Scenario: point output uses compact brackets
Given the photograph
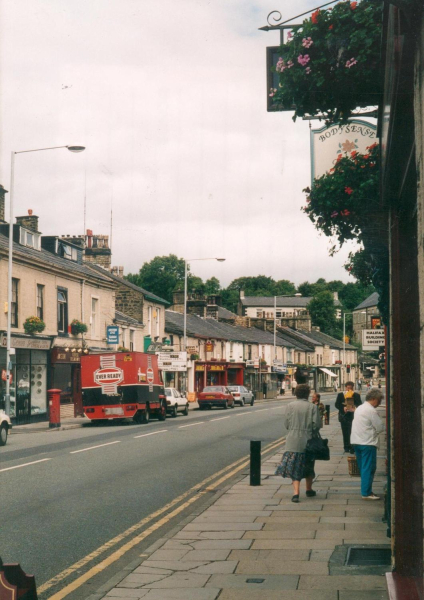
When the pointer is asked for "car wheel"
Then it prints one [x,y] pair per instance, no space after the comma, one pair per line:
[174,411]
[252,401]
[242,402]
[185,411]
[3,435]
[146,415]
[162,413]
[233,405]
[201,407]
[225,405]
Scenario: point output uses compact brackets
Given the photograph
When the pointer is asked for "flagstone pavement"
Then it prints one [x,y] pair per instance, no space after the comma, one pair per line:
[253,543]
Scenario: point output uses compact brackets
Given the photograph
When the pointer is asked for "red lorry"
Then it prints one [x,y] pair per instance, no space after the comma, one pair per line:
[122,385]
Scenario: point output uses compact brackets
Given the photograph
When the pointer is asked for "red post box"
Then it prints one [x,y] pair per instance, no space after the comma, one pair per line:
[54,407]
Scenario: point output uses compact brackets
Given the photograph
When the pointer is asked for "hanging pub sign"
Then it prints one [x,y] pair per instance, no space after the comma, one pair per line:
[209,346]
[331,141]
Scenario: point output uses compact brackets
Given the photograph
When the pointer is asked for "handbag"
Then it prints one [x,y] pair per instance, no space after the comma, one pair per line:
[317,448]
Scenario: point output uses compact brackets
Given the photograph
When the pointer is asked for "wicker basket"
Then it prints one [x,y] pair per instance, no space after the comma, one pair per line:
[353,466]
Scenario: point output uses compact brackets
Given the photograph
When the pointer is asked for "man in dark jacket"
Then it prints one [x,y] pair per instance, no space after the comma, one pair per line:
[346,403]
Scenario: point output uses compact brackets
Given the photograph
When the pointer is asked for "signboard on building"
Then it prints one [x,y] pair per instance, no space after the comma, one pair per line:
[279,367]
[373,339]
[26,343]
[217,368]
[330,142]
[172,361]
[250,363]
[375,322]
[191,349]
[112,334]
[209,346]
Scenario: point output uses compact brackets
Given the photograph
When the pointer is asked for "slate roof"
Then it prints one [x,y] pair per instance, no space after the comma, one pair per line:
[122,281]
[368,302]
[289,301]
[224,313]
[50,259]
[323,338]
[121,318]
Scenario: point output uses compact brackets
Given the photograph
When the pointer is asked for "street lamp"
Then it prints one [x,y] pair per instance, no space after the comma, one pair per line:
[344,338]
[186,261]
[74,149]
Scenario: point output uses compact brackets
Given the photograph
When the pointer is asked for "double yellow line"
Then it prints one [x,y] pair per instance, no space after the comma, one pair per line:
[195,492]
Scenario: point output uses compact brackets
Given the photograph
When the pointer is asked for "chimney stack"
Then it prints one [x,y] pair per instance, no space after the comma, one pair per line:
[3,193]
[29,221]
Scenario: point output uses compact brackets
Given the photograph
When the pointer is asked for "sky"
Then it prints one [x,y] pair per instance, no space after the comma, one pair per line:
[169,99]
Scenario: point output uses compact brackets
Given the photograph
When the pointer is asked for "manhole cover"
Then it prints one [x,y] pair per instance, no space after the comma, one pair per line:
[368,556]
[255,580]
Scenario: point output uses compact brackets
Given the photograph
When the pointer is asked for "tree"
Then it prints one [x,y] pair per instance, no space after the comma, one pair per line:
[323,312]
[212,286]
[284,287]
[160,276]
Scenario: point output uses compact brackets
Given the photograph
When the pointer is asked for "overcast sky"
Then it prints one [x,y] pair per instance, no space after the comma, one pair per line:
[170,100]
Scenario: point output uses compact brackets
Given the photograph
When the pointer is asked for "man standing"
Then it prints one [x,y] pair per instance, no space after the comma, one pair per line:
[366,427]
[346,404]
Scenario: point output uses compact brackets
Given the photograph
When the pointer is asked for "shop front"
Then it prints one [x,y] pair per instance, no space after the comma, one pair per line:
[217,373]
[28,388]
[65,375]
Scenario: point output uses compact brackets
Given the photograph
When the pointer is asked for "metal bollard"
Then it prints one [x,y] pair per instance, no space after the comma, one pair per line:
[255,462]
[327,415]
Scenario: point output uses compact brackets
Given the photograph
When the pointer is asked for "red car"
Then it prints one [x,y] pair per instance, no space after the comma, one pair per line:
[215,395]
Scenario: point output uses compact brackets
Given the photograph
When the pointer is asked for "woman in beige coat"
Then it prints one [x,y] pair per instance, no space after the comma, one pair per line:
[301,419]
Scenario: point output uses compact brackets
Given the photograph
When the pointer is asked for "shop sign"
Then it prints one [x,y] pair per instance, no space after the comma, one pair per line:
[256,363]
[191,396]
[209,346]
[375,322]
[217,368]
[191,349]
[63,355]
[172,361]
[4,375]
[26,343]
[200,367]
[250,363]
[373,339]
[279,367]
[337,362]
[112,334]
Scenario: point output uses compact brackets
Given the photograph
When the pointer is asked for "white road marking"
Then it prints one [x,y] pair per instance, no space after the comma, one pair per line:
[220,419]
[94,447]
[152,433]
[25,464]
[245,414]
[277,408]
[262,410]
[191,425]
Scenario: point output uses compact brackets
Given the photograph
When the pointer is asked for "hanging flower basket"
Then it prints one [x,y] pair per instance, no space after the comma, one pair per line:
[330,64]
[78,327]
[34,325]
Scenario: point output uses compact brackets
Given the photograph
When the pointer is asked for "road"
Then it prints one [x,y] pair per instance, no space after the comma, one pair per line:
[66,494]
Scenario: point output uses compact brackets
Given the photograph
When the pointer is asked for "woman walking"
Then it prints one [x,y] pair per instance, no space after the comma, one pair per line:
[301,419]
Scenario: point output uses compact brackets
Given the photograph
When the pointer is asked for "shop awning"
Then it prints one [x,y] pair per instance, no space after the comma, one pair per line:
[328,372]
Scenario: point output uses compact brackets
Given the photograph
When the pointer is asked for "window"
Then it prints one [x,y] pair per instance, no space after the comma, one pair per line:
[62,311]
[249,352]
[124,337]
[149,320]
[66,251]
[15,303]
[40,301]
[157,321]
[132,343]
[278,313]
[94,316]
[29,238]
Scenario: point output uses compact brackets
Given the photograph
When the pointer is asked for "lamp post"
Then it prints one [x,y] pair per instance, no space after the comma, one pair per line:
[186,261]
[344,340]
[10,262]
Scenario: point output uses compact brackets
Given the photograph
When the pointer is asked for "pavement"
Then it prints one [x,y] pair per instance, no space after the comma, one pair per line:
[253,543]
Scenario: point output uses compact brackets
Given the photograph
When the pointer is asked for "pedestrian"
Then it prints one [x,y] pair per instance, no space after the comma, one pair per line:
[301,419]
[335,387]
[346,404]
[316,399]
[293,387]
[283,387]
[264,388]
[366,428]
[359,384]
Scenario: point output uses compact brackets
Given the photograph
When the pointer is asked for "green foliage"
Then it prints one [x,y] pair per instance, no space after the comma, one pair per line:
[78,327]
[34,325]
[212,286]
[323,312]
[330,66]
[160,276]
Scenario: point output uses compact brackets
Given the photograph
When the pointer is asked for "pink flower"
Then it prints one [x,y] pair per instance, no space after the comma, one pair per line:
[290,64]
[273,92]
[289,35]
[334,214]
[307,42]
[348,190]
[350,63]
[280,66]
[303,60]
[308,70]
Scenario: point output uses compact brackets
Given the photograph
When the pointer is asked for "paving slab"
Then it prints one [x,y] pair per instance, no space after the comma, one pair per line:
[273,524]
[282,535]
[342,582]
[218,566]
[209,535]
[277,555]
[138,580]
[218,518]
[181,580]
[363,595]
[183,594]
[142,569]
[257,594]
[278,567]
[122,593]
[209,554]
[271,582]
[243,545]
[307,507]
[281,544]
[176,565]
[367,519]
[223,527]
[175,554]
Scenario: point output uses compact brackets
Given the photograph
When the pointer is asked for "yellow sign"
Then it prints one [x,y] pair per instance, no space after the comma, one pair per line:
[217,368]
[200,367]
[191,397]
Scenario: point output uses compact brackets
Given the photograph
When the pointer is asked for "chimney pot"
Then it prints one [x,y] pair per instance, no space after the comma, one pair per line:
[30,212]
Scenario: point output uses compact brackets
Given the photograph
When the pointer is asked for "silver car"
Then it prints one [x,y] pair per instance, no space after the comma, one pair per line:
[242,395]
[5,426]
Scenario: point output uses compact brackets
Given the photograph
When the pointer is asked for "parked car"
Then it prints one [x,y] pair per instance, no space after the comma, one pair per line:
[215,395]
[5,426]
[242,395]
[175,402]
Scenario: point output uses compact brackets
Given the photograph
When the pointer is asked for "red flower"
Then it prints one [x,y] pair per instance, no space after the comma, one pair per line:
[353,154]
[345,213]
[366,155]
[348,190]
[334,214]
[314,17]
[353,5]
[372,147]
[331,27]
